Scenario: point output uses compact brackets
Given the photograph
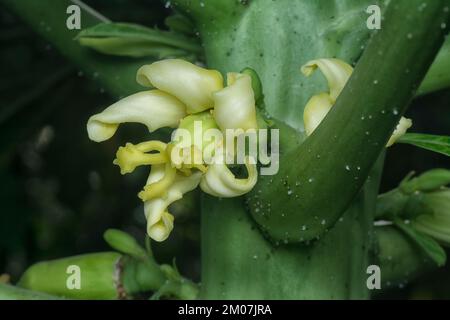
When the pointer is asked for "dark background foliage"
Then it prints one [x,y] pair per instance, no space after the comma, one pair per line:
[59,191]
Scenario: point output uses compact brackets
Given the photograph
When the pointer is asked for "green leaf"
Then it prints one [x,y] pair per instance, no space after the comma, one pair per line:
[115,74]
[126,39]
[439,144]
[426,243]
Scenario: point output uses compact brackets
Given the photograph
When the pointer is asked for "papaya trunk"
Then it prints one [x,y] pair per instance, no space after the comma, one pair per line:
[239,263]
[275,38]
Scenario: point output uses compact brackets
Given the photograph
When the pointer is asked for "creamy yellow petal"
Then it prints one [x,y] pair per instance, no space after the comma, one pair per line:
[400,130]
[159,188]
[220,182]
[154,108]
[315,111]
[336,71]
[191,84]
[159,220]
[234,106]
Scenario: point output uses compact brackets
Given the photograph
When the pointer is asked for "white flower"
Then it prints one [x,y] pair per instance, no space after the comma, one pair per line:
[184,91]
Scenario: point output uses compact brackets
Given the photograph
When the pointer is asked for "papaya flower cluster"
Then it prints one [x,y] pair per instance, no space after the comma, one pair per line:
[337,73]
[182,95]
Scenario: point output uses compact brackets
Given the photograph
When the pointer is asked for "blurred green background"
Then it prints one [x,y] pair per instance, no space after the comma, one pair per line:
[59,191]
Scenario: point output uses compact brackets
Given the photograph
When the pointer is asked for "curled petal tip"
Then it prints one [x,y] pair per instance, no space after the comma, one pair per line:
[400,130]
[159,220]
[153,108]
[99,131]
[161,230]
[220,182]
[337,73]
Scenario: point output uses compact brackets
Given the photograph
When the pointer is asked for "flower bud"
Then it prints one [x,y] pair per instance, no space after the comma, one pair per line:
[98,276]
[437,223]
[428,181]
